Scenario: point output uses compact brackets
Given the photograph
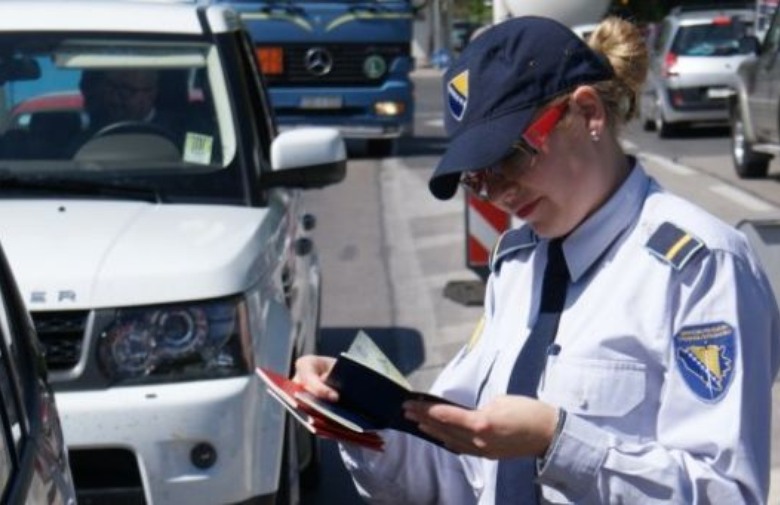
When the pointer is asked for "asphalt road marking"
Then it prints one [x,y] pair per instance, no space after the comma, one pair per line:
[738,196]
[742,198]
[669,165]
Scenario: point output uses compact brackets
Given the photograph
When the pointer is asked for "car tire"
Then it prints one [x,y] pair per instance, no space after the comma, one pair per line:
[747,163]
[664,128]
[310,470]
[288,492]
[380,148]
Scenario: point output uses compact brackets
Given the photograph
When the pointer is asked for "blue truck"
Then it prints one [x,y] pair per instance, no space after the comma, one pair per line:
[343,64]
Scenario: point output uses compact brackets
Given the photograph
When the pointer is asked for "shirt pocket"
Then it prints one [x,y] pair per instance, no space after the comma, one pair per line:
[594,387]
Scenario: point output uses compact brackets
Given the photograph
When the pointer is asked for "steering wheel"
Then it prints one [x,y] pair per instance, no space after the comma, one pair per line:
[142,127]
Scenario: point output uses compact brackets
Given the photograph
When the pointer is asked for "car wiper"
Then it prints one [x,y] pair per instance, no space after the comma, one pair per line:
[71,186]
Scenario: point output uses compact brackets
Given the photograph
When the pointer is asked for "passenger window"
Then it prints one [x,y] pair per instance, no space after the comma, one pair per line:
[261,102]
[663,36]
[772,38]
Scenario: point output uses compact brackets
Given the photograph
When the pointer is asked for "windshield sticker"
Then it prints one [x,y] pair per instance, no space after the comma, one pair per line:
[198,148]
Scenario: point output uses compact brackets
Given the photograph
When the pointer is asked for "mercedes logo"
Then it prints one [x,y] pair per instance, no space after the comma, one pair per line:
[318,61]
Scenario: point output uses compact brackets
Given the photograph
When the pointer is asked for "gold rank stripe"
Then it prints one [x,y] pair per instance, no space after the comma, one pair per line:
[476,335]
[677,246]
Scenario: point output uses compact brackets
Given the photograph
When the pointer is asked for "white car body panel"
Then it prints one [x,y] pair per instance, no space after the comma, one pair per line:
[181,416]
[228,231]
[128,253]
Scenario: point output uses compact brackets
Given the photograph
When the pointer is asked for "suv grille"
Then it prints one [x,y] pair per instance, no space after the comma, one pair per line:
[347,67]
[62,336]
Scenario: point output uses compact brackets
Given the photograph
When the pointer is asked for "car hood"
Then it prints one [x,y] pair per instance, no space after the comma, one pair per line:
[84,254]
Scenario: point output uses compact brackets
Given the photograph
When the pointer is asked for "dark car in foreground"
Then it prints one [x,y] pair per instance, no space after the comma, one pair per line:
[34,466]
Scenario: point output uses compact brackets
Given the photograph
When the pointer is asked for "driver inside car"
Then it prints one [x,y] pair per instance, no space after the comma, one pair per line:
[126,101]
[115,96]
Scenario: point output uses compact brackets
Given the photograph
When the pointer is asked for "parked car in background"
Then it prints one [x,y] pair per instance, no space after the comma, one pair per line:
[693,65]
[164,255]
[754,108]
[33,458]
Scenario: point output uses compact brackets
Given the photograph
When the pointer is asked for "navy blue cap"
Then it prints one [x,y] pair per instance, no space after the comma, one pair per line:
[493,90]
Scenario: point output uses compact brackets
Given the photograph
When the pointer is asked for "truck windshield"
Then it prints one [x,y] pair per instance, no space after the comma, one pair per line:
[80,107]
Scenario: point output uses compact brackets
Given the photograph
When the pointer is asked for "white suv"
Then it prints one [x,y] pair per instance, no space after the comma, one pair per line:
[163,255]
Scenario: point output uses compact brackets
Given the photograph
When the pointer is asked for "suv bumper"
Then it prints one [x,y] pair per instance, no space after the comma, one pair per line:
[158,426]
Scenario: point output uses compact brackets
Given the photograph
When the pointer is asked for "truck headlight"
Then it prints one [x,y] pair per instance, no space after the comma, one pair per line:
[171,343]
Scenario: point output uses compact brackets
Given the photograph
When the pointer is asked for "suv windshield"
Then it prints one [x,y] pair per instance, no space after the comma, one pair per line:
[712,39]
[110,112]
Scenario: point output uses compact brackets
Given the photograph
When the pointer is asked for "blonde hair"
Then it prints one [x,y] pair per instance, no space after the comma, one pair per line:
[624,46]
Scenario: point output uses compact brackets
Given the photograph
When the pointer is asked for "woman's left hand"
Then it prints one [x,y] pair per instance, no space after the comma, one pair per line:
[507,427]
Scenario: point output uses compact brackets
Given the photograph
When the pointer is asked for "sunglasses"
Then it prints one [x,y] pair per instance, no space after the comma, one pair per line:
[531,143]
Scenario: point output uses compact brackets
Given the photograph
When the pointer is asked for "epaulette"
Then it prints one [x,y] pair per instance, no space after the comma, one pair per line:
[511,241]
[674,245]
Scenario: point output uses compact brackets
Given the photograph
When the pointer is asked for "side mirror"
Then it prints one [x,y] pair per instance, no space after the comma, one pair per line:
[749,44]
[308,157]
[19,69]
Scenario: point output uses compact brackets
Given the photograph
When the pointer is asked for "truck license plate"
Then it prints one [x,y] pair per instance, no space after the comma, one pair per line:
[321,102]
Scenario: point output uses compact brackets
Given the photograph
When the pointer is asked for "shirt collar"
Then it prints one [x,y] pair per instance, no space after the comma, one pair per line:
[587,242]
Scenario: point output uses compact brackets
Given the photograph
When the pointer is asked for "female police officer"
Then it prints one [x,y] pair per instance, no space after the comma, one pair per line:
[629,340]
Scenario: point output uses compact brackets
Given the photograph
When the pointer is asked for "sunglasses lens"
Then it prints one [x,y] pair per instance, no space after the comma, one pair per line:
[535,136]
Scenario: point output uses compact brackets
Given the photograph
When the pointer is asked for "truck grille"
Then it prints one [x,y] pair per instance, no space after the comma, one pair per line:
[346,69]
[62,335]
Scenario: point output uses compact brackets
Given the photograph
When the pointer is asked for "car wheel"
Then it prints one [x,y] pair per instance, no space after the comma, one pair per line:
[664,128]
[288,492]
[748,163]
[647,121]
[380,148]
[648,124]
[310,465]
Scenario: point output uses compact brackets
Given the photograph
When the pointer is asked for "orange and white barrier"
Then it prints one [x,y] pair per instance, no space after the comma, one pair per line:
[484,225]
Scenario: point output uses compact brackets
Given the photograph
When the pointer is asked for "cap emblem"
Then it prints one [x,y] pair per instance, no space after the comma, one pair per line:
[458,94]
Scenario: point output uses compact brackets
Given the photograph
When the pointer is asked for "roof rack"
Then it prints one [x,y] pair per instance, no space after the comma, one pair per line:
[712,6]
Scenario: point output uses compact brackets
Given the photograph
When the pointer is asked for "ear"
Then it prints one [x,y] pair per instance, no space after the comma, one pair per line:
[589,104]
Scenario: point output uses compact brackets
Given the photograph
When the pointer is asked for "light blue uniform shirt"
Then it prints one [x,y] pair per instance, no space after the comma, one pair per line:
[664,360]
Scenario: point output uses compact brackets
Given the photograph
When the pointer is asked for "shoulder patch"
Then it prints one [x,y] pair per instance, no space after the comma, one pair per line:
[674,245]
[705,356]
[510,241]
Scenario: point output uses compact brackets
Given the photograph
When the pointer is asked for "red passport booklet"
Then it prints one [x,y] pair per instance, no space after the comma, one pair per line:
[371,394]
[322,418]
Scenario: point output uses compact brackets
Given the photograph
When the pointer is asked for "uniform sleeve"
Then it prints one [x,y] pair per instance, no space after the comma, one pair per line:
[412,471]
[711,446]
[409,471]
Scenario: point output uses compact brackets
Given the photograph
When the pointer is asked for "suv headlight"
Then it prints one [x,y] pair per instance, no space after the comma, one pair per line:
[172,343]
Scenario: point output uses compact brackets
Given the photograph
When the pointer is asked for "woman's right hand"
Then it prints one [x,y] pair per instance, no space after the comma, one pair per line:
[311,371]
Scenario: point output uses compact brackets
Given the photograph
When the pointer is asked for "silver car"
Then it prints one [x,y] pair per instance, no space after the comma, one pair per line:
[693,65]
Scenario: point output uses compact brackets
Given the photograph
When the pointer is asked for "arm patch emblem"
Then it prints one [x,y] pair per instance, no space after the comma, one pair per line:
[705,356]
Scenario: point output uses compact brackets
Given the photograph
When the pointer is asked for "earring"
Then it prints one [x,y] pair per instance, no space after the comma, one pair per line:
[594,136]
